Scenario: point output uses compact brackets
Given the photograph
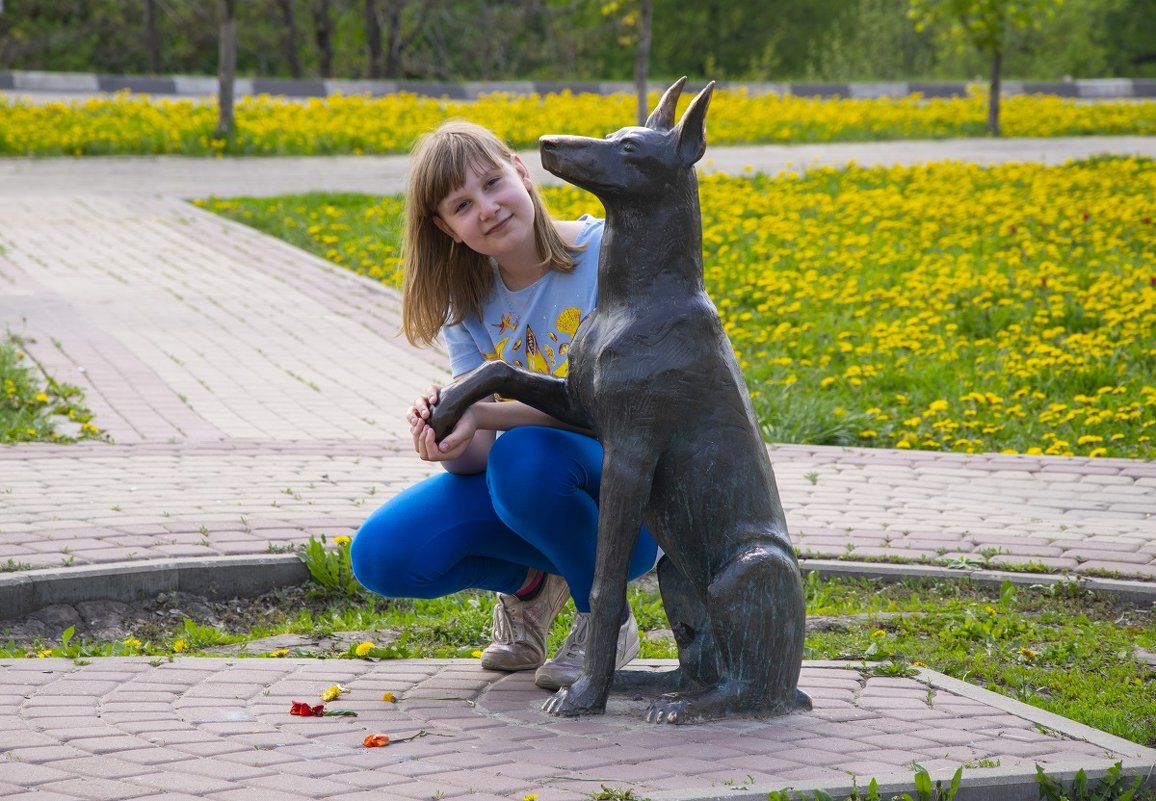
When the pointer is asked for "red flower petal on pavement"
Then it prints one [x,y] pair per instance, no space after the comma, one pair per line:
[375,740]
[306,711]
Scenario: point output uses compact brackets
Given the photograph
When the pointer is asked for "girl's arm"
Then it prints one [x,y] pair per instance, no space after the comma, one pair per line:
[466,449]
[511,414]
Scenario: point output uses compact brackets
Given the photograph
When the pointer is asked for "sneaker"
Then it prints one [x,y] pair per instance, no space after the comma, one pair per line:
[520,627]
[564,668]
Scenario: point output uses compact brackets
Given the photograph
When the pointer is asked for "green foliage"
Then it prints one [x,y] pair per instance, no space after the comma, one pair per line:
[925,791]
[198,636]
[574,40]
[984,24]
[331,567]
[1112,787]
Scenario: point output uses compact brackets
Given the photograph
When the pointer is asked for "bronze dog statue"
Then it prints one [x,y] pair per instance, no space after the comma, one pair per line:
[654,375]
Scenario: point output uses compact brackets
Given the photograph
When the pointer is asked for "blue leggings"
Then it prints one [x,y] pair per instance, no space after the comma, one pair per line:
[536,505]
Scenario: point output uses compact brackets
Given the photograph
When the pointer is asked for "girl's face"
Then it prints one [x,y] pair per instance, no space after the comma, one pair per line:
[491,212]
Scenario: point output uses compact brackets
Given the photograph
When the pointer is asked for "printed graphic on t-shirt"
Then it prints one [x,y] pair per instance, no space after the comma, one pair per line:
[529,351]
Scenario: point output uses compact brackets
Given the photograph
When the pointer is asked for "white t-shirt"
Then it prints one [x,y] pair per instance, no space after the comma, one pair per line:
[533,327]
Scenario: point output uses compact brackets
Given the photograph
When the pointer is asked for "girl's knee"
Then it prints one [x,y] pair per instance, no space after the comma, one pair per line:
[532,469]
[382,556]
[369,553]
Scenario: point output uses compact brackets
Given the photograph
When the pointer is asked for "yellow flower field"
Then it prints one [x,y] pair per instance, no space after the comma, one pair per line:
[128,124]
[940,307]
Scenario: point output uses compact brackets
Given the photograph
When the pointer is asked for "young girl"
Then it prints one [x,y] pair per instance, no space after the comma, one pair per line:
[489,269]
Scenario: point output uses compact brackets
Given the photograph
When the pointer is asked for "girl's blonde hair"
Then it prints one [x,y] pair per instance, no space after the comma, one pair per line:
[444,282]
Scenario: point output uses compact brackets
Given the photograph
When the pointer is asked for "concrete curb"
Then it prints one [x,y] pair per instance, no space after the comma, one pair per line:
[1128,590]
[22,593]
[981,784]
[219,577]
[201,85]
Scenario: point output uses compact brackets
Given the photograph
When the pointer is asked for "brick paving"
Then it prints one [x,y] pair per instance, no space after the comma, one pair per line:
[218,729]
[252,394]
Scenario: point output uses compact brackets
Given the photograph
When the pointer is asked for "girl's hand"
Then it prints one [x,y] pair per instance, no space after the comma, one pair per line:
[421,409]
[453,445]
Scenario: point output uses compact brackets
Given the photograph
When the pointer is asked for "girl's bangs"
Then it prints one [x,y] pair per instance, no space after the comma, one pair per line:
[451,156]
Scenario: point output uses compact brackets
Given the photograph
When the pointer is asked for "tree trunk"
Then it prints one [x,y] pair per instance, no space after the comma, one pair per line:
[393,50]
[993,101]
[226,69]
[373,38]
[323,33]
[152,36]
[290,39]
[642,60]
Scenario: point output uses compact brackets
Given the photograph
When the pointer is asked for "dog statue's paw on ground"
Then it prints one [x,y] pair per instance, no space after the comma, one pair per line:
[580,698]
[721,702]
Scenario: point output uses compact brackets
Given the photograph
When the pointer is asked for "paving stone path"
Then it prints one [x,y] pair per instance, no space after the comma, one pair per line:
[215,729]
[252,395]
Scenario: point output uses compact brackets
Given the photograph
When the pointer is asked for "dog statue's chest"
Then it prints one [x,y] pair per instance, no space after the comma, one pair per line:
[642,349]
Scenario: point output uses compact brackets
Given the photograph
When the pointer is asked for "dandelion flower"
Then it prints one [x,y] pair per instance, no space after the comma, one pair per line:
[363,649]
[333,693]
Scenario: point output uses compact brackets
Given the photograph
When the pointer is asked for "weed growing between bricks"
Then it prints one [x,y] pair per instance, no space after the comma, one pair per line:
[1114,786]
[1062,648]
[34,407]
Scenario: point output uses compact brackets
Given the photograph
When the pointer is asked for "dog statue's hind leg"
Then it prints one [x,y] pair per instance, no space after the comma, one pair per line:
[757,609]
[699,659]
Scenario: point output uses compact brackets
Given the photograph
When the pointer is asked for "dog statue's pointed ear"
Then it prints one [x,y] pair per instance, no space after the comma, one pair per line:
[692,127]
[662,118]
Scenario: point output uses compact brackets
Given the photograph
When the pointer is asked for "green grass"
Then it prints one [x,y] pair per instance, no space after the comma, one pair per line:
[1061,648]
[33,407]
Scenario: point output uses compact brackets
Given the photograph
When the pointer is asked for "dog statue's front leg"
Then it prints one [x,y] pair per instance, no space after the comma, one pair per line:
[545,393]
[627,470]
